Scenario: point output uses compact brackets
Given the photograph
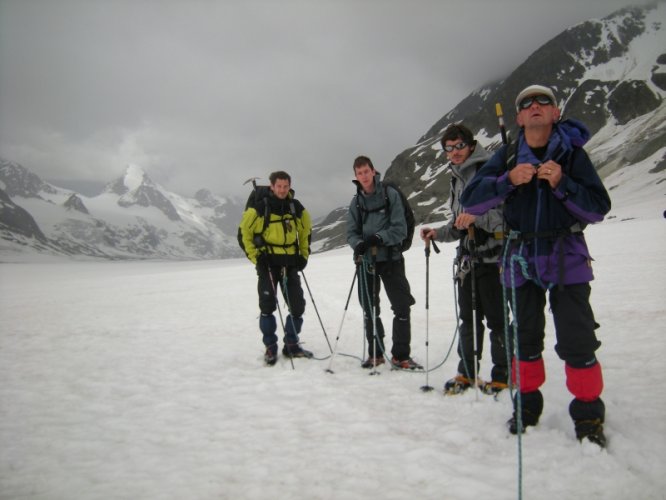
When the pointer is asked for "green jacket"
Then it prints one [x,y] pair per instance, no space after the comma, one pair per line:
[372,217]
[286,234]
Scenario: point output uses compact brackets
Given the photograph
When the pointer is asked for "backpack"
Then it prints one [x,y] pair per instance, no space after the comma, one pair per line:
[408,212]
[258,200]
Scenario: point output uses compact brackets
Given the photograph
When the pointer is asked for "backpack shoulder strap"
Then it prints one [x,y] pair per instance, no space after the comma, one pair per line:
[267,213]
[511,154]
[359,213]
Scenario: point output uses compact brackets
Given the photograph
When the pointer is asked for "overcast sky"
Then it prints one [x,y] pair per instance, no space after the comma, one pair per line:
[204,93]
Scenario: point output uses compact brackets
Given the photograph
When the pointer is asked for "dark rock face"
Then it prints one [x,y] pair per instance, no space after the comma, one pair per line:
[75,203]
[14,219]
[21,182]
[147,196]
[630,100]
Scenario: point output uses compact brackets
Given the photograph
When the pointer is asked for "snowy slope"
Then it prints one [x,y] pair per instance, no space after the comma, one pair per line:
[126,380]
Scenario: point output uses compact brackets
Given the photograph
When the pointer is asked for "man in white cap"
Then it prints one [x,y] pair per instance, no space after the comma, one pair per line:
[550,191]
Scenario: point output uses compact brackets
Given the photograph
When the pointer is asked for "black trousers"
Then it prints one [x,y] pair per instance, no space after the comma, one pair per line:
[576,344]
[573,317]
[392,275]
[488,300]
[288,280]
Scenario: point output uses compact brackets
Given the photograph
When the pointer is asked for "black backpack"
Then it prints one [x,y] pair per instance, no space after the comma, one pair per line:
[408,212]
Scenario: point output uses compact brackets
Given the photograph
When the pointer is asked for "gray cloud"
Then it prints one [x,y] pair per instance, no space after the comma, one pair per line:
[207,93]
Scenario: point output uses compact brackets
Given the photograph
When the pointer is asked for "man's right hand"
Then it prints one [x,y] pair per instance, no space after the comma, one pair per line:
[521,174]
[360,249]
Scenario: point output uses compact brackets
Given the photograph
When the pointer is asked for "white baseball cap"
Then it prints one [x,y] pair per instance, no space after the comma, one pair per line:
[534,90]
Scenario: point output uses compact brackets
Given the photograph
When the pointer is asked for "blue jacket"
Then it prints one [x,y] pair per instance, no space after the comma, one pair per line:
[547,222]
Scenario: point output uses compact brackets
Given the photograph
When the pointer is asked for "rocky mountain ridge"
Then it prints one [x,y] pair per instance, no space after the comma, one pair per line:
[608,73]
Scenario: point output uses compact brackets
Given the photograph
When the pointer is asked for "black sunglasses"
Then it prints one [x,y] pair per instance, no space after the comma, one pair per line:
[459,146]
[543,100]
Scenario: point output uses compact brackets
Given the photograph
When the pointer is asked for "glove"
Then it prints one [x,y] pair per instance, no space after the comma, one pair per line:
[373,241]
[302,262]
[360,249]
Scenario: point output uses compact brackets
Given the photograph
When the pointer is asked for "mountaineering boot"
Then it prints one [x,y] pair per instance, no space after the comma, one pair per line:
[493,387]
[528,419]
[531,408]
[592,430]
[406,364]
[372,362]
[296,351]
[270,356]
[588,417]
[457,384]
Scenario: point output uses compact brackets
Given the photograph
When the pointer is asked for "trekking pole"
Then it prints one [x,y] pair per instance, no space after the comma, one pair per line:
[337,339]
[314,304]
[472,250]
[427,387]
[277,303]
[375,298]
[292,209]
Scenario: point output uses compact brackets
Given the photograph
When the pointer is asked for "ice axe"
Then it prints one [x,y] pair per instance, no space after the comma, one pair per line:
[253,180]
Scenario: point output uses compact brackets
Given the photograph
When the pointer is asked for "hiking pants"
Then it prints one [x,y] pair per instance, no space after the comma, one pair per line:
[392,275]
[288,280]
[489,305]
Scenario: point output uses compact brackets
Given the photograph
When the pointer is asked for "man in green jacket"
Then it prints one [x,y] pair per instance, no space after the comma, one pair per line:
[276,238]
[376,227]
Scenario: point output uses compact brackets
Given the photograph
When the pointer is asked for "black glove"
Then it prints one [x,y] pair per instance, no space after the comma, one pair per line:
[360,249]
[262,261]
[373,241]
[302,262]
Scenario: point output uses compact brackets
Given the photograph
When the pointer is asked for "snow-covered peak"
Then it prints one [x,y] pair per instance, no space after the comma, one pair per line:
[638,57]
[135,177]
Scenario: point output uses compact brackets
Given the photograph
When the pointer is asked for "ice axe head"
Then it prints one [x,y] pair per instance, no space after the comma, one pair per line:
[253,180]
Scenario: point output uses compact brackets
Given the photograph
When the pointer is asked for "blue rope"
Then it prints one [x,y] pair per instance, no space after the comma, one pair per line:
[372,307]
[517,257]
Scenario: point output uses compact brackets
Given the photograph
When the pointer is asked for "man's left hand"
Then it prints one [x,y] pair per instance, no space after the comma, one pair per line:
[551,172]
[373,240]
[302,262]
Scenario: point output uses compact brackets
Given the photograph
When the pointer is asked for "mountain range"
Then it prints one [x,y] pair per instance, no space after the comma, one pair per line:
[609,73]
[132,218]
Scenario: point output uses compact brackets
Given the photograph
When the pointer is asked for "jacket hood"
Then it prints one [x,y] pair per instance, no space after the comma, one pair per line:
[479,155]
[574,132]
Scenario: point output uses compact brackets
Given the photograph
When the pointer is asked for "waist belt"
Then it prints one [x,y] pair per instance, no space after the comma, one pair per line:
[553,234]
[549,234]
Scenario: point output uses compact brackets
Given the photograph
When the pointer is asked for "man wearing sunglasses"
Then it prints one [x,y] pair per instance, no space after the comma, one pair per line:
[482,252]
[551,191]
